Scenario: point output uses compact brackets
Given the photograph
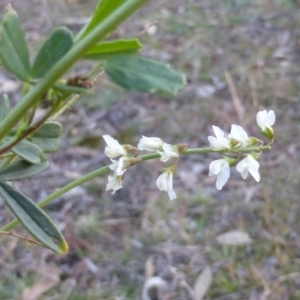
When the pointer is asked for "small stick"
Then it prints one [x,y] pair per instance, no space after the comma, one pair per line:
[14,234]
[236,100]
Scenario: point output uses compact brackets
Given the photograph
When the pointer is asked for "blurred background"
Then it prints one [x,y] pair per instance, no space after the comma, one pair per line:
[239,57]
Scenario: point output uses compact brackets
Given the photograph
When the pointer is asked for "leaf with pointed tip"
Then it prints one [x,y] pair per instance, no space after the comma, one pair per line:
[55,47]
[103,9]
[5,107]
[13,47]
[30,152]
[34,219]
[110,49]
[22,169]
[145,75]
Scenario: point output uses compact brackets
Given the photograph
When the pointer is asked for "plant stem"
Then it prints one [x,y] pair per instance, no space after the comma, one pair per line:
[105,169]
[62,191]
[58,70]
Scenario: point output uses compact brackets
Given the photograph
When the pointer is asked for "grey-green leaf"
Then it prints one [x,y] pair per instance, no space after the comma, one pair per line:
[145,75]
[49,130]
[30,152]
[21,170]
[48,145]
[48,137]
[34,219]
[13,47]
[54,48]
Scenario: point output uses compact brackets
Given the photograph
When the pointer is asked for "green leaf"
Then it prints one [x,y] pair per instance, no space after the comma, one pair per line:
[48,145]
[21,170]
[13,47]
[72,89]
[49,130]
[48,137]
[29,152]
[54,48]
[34,219]
[110,49]
[102,11]
[145,75]
[5,107]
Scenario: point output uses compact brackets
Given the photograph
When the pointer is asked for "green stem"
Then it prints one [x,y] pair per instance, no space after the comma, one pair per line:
[75,53]
[105,169]
[62,191]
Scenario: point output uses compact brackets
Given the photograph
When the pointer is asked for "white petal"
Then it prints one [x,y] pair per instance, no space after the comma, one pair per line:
[161,181]
[242,167]
[219,142]
[114,164]
[221,168]
[260,119]
[271,118]
[219,133]
[113,148]
[114,183]
[223,176]
[168,152]
[238,133]
[248,164]
[215,167]
[164,182]
[253,168]
[150,144]
[121,166]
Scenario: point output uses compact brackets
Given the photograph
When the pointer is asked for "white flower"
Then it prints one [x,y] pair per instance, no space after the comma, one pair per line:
[167,152]
[265,119]
[150,143]
[249,164]
[238,133]
[220,142]
[119,166]
[164,182]
[114,183]
[221,168]
[113,148]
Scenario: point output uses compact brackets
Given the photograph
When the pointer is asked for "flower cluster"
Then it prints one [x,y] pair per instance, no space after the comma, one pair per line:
[153,144]
[238,138]
[235,142]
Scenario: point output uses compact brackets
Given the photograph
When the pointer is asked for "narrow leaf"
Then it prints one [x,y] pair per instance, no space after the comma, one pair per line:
[34,219]
[145,75]
[72,89]
[13,47]
[110,49]
[57,45]
[103,9]
[5,107]
[21,170]
[29,152]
